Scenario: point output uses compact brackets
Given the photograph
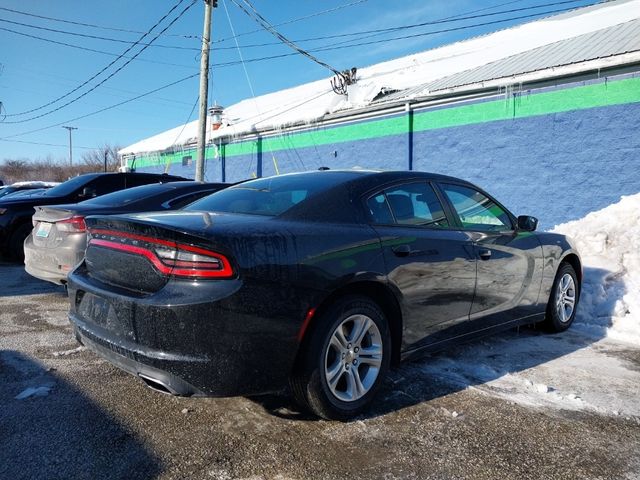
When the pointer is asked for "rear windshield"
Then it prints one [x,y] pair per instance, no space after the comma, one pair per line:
[269,196]
[70,186]
[130,195]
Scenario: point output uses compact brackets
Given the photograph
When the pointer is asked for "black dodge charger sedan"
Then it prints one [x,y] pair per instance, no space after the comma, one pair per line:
[317,280]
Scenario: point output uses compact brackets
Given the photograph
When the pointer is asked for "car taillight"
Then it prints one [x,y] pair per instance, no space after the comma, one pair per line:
[74,224]
[170,258]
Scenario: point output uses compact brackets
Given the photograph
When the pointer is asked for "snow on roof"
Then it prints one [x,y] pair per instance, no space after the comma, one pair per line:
[34,183]
[311,101]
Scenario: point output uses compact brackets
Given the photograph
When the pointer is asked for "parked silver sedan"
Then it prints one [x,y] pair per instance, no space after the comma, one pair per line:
[59,238]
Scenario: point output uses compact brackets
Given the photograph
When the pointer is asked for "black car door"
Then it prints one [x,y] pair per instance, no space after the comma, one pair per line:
[509,261]
[430,264]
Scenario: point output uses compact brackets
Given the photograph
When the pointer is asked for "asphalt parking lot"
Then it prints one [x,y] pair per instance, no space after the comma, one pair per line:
[65,413]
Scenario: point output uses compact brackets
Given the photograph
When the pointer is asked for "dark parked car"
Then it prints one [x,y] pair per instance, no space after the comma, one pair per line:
[15,214]
[321,280]
[59,238]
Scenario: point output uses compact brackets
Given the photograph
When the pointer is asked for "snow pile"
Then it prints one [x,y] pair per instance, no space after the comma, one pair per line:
[609,243]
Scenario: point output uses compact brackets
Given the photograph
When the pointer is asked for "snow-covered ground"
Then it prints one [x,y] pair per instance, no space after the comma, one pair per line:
[591,367]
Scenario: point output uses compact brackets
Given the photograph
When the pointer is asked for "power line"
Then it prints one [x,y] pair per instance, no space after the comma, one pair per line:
[255,15]
[225,65]
[447,30]
[188,119]
[406,27]
[117,92]
[115,72]
[117,29]
[92,50]
[246,73]
[46,144]
[71,22]
[294,20]
[95,37]
[110,107]
[133,45]
[331,47]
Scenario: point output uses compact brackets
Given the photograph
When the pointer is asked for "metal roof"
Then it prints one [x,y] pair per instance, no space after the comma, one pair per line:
[608,42]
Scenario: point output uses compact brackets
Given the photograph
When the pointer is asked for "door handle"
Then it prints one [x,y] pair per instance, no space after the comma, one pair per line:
[402,250]
[484,253]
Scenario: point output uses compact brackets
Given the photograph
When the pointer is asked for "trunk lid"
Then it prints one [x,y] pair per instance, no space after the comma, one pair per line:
[142,252]
[47,230]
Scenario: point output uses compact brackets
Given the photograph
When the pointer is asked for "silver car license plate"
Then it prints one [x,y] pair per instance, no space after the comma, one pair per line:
[43,229]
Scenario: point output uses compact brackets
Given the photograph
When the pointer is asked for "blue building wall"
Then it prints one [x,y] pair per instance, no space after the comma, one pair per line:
[557,166]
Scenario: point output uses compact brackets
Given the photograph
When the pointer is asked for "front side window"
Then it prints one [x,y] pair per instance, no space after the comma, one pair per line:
[475,210]
[410,204]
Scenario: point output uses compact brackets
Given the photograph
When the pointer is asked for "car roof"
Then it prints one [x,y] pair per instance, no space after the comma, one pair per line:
[389,175]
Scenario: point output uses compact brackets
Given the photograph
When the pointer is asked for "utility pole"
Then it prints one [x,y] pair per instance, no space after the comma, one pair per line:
[70,149]
[209,5]
[105,160]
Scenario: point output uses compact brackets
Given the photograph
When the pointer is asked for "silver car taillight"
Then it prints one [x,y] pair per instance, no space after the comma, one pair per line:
[74,224]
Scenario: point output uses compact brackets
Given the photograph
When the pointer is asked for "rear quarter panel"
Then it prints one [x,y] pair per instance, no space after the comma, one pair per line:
[289,267]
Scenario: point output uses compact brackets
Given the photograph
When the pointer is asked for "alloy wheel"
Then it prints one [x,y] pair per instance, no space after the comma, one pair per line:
[566,298]
[353,358]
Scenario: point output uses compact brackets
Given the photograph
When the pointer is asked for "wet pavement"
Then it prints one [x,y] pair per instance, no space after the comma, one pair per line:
[83,418]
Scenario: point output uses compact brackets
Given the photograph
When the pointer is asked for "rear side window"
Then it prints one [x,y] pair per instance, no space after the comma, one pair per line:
[410,204]
[107,184]
[70,186]
[129,195]
[138,179]
[185,200]
[475,210]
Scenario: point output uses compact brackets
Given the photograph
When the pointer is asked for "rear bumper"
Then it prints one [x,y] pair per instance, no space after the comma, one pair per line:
[151,366]
[51,264]
[186,339]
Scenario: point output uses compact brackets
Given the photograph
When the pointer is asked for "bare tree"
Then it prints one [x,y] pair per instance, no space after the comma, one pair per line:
[95,158]
[46,170]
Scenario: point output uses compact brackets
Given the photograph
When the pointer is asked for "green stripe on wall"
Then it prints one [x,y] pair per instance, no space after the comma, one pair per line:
[521,106]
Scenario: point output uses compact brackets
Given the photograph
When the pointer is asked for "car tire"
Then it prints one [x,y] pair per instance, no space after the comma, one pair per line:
[563,301]
[16,241]
[344,359]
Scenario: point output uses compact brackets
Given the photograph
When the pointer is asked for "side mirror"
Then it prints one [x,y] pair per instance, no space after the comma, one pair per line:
[527,223]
